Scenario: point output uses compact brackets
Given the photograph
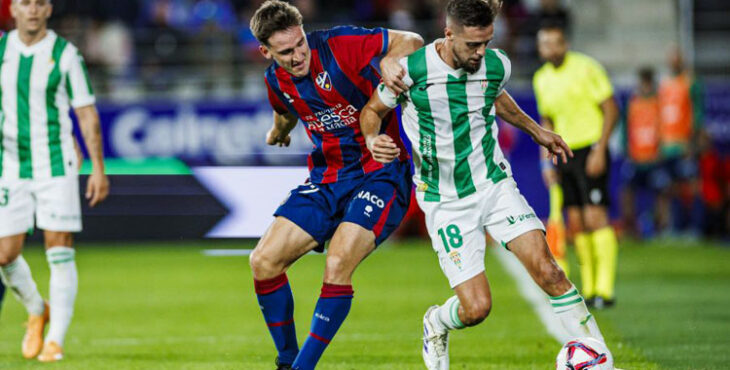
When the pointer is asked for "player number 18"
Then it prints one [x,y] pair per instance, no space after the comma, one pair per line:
[451,237]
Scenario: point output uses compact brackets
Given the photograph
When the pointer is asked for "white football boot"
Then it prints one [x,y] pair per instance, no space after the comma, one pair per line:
[435,345]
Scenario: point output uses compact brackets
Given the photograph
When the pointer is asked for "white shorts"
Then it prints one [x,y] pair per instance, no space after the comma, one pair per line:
[457,227]
[52,204]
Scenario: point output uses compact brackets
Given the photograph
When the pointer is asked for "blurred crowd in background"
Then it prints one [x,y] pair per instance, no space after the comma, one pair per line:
[146,47]
[674,181]
[671,159]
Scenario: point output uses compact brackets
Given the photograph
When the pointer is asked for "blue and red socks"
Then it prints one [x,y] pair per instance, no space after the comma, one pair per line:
[277,305]
[331,310]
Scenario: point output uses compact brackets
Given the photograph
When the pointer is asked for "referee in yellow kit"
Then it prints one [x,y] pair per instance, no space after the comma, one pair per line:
[575,99]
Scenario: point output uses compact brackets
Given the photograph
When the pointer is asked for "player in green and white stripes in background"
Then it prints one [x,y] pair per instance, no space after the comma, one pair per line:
[42,76]
[464,184]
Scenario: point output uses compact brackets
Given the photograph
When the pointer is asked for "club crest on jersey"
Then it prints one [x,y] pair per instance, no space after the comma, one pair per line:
[456,258]
[484,86]
[323,81]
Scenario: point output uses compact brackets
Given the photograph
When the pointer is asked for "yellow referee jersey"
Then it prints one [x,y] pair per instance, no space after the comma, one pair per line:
[570,96]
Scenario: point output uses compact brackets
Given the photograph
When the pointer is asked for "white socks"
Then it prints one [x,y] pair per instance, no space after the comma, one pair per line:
[63,288]
[446,317]
[573,314]
[16,276]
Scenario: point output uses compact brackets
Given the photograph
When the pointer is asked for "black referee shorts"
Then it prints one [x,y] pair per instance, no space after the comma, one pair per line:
[578,188]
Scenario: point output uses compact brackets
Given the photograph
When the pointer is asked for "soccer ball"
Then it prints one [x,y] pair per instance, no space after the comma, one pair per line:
[583,354]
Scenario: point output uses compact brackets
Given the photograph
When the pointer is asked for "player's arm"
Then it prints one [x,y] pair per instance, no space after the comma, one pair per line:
[508,110]
[381,146]
[549,175]
[279,132]
[400,44]
[602,93]
[79,154]
[596,160]
[97,187]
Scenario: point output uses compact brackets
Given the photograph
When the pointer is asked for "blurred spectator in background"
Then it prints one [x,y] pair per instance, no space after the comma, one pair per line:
[218,14]
[681,111]
[641,130]
[714,186]
[212,21]
[110,47]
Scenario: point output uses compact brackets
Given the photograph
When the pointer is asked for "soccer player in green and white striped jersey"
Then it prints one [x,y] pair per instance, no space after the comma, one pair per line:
[464,184]
[42,77]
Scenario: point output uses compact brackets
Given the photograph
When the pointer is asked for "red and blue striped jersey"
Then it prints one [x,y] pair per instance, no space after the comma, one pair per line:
[329,99]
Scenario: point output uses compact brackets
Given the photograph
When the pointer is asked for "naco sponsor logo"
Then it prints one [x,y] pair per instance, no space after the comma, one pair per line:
[372,198]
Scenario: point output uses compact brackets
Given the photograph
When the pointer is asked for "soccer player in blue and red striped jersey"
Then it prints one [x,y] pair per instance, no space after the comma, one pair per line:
[323,79]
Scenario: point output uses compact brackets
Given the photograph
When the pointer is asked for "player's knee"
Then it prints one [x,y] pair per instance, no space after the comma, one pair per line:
[58,239]
[336,270]
[263,266]
[575,227]
[596,223]
[6,259]
[476,310]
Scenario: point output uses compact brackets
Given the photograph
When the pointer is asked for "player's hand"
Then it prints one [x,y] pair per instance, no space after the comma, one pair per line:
[97,188]
[557,148]
[596,162]
[273,137]
[393,74]
[383,148]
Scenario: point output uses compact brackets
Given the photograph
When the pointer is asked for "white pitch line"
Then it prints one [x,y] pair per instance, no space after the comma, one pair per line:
[532,293]
[226,252]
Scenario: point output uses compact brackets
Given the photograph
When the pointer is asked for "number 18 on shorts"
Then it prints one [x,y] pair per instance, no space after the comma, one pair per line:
[458,227]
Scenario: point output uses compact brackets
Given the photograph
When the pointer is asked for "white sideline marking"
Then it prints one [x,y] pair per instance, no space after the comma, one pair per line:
[532,293]
[226,252]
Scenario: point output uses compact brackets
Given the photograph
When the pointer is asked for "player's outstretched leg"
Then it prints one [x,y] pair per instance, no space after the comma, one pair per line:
[348,247]
[532,250]
[63,287]
[282,244]
[469,307]
[16,275]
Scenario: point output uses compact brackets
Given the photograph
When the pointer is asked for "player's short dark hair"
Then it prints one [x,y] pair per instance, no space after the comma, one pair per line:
[646,74]
[550,25]
[273,16]
[472,13]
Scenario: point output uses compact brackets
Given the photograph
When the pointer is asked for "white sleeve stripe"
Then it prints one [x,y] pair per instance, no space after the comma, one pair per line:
[507,65]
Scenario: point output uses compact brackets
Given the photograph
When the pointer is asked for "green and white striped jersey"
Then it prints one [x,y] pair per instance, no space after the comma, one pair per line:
[449,117]
[38,85]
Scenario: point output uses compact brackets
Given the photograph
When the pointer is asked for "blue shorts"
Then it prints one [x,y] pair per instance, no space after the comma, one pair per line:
[377,201]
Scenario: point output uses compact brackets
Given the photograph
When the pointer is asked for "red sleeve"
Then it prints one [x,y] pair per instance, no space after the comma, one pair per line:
[355,47]
[274,100]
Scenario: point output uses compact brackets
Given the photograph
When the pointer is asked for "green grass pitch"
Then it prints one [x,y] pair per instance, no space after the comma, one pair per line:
[167,306]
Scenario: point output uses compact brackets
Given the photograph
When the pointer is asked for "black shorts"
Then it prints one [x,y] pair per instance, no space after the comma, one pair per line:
[578,188]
